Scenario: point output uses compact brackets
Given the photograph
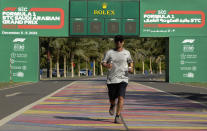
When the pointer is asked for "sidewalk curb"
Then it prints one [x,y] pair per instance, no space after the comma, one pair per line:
[15,114]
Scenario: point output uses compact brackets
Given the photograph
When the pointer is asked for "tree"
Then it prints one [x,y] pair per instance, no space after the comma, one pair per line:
[73,46]
[79,53]
[150,47]
[51,51]
[58,44]
[92,53]
[142,54]
[133,45]
[103,46]
[159,62]
[65,52]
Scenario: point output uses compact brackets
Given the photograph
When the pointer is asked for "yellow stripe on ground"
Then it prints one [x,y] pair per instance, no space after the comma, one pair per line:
[190,115]
[165,127]
[62,103]
[148,120]
[167,120]
[91,125]
[61,112]
[63,98]
[106,118]
[58,103]
[45,112]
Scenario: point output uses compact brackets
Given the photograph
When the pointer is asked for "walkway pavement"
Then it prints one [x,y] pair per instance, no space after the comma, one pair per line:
[84,106]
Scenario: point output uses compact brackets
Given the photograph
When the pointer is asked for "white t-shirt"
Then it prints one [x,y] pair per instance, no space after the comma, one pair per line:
[119,60]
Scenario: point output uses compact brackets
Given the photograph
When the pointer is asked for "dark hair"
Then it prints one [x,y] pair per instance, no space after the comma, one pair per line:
[118,38]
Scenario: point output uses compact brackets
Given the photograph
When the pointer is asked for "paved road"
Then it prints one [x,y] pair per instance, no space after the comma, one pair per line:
[83,105]
[11,100]
[198,94]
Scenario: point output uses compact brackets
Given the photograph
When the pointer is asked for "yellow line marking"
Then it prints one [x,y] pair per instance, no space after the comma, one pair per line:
[62,112]
[165,127]
[44,112]
[191,115]
[91,125]
[167,120]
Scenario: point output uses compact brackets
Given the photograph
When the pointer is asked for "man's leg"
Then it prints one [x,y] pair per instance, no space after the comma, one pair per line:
[112,102]
[119,109]
[111,94]
[121,96]
[120,105]
[112,107]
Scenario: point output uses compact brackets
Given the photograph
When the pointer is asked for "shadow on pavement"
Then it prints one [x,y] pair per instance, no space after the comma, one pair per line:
[193,96]
[81,118]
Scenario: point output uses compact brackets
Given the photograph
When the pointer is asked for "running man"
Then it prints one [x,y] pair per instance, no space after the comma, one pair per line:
[119,64]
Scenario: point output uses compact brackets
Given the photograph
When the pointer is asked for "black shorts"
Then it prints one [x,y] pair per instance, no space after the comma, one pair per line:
[116,89]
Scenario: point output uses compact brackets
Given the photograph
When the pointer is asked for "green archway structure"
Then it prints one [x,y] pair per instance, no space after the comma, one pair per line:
[24,21]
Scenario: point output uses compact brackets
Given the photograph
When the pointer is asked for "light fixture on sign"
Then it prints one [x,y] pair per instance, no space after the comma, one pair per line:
[78,19]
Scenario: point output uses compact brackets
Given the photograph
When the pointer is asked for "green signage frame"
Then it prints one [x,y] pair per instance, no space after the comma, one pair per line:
[31,19]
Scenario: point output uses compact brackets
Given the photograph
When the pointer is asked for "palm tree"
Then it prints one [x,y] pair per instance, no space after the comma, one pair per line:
[92,53]
[43,53]
[58,44]
[46,54]
[86,44]
[141,54]
[51,54]
[65,53]
[150,47]
[72,47]
[159,61]
[133,45]
[79,53]
[103,45]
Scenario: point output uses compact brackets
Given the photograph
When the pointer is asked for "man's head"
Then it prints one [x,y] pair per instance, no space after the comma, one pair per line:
[119,41]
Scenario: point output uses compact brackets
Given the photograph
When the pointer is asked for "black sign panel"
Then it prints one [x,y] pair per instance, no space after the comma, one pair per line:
[130,27]
[95,27]
[78,27]
[113,27]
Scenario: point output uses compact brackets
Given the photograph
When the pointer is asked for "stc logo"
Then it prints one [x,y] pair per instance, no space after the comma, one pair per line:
[191,41]
[19,40]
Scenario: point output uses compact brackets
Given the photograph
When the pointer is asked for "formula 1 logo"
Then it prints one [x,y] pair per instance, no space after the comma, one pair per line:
[191,41]
[19,40]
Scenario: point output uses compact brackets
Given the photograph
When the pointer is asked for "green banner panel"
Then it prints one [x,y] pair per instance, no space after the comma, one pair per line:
[173,18]
[20,58]
[24,58]
[104,17]
[4,57]
[78,8]
[188,59]
[35,17]
[130,9]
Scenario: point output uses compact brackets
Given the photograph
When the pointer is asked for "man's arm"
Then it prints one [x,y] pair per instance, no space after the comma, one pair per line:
[109,66]
[130,63]
[131,67]
[105,61]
